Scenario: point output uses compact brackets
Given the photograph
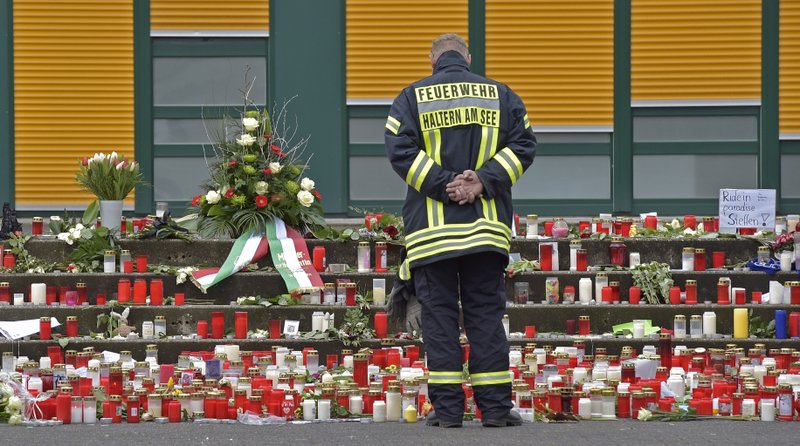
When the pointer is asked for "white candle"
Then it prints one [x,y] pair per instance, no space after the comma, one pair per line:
[232,352]
[676,385]
[379,292]
[379,412]
[786,260]
[35,383]
[768,410]
[393,406]
[316,321]
[280,356]
[638,329]
[585,290]
[19,299]
[775,293]
[614,373]
[709,323]
[514,357]
[634,259]
[38,294]
[76,411]
[348,361]
[356,404]
[324,410]
[309,410]
[585,408]
[89,411]
[759,372]
[579,375]
[787,295]
[44,362]
[749,408]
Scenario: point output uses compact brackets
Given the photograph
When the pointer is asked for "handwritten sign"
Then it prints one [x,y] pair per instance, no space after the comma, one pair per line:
[746,208]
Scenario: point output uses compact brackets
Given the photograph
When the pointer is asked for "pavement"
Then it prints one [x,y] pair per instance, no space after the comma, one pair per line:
[595,433]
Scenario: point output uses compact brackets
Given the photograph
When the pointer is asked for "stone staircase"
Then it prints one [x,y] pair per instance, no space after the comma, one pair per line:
[548,319]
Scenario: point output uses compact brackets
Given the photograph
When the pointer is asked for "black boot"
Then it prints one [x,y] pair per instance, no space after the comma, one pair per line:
[434,420]
[511,419]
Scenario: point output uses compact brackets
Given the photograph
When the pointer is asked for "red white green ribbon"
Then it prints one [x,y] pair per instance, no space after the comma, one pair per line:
[289,255]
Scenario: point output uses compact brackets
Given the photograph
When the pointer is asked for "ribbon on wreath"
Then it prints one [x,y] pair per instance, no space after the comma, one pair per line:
[289,255]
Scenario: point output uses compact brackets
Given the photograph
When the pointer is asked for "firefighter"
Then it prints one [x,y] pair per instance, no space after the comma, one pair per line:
[460,141]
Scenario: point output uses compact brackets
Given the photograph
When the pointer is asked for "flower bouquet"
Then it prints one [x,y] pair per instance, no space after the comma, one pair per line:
[110,178]
[255,176]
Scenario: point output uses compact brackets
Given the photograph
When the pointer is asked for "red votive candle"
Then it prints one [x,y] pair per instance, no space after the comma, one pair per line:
[202,329]
[9,261]
[319,258]
[123,290]
[37,226]
[381,257]
[634,295]
[139,292]
[584,327]
[571,326]
[179,298]
[156,292]
[141,264]
[127,266]
[650,222]
[240,325]
[740,297]
[217,325]
[548,228]
[675,295]
[412,352]
[584,228]
[691,292]
[718,259]
[607,294]
[51,295]
[723,292]
[545,257]
[755,297]
[699,259]
[62,295]
[381,325]
[530,331]
[794,324]
[100,299]
[582,263]
[690,221]
[80,287]
[350,294]
[45,329]
[275,329]
[72,326]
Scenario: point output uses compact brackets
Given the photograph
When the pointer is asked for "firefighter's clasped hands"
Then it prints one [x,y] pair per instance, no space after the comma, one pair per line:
[465,187]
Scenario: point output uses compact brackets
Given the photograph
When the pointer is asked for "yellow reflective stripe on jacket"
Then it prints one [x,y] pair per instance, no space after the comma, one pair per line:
[510,163]
[419,170]
[457,230]
[448,377]
[393,125]
[489,378]
[489,209]
[404,271]
[480,239]
[435,209]
[525,119]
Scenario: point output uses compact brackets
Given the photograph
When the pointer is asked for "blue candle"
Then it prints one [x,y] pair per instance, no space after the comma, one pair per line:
[780,324]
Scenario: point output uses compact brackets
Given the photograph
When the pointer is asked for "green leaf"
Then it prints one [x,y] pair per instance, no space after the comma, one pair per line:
[63,342]
[90,214]
[215,210]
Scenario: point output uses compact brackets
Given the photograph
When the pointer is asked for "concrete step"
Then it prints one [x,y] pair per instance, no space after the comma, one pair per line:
[214,252]
[169,349]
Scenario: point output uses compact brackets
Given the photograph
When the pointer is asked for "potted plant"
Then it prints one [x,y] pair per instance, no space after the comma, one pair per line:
[110,178]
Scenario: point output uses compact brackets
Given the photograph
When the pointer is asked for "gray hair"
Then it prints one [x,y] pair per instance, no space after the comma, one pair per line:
[448,42]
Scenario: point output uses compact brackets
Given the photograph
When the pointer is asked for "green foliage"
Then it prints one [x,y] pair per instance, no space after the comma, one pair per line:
[25,262]
[760,328]
[355,328]
[654,279]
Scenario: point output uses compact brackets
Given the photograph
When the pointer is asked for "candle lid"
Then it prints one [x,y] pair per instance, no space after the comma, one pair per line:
[362,244]
[37,219]
[575,243]
[330,285]
[110,252]
[160,318]
[72,318]
[688,250]
[708,218]
[583,318]
[532,217]
[691,282]
[380,243]
[44,319]
[699,250]
[124,252]
[680,317]
[4,285]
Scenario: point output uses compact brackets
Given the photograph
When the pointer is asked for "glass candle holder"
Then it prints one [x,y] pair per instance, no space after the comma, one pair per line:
[363,257]
[521,292]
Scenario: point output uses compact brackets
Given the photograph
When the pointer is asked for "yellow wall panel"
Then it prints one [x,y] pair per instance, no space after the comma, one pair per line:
[73,92]
[790,67]
[696,49]
[202,15]
[558,56]
[388,42]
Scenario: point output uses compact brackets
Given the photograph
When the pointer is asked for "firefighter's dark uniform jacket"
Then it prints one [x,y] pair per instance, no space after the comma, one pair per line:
[437,128]
[440,126]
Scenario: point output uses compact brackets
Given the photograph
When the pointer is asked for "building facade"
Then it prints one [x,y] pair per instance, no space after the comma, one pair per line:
[639,105]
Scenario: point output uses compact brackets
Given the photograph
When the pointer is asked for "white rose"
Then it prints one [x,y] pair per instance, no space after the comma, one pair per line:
[246,140]
[275,167]
[689,231]
[79,226]
[305,198]
[307,184]
[250,124]
[114,155]
[14,404]
[644,414]
[55,218]
[15,419]
[261,187]
[675,224]
[212,197]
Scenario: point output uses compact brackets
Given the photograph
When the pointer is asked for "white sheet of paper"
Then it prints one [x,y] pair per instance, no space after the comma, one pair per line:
[19,329]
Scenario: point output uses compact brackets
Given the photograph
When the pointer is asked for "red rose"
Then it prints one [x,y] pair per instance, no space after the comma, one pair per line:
[229,193]
[196,200]
[267,171]
[277,151]
[317,194]
[85,161]
[261,201]
[391,231]
[233,163]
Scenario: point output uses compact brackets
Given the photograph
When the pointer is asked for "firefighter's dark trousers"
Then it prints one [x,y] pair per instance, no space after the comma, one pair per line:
[477,279]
